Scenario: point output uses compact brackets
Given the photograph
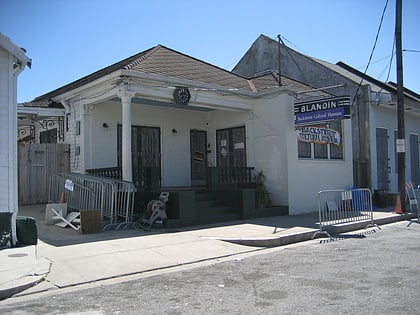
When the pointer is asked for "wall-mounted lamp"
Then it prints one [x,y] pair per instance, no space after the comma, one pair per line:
[105,125]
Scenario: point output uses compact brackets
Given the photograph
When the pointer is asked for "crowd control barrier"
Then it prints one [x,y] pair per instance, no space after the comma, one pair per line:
[342,206]
[114,198]
[413,196]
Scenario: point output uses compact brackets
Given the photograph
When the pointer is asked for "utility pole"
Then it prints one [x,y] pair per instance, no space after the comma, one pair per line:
[401,145]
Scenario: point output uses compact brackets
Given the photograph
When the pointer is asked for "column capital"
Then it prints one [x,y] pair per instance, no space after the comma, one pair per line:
[124,92]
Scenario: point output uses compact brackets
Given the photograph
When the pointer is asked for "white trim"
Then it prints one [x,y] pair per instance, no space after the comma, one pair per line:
[13,49]
[40,111]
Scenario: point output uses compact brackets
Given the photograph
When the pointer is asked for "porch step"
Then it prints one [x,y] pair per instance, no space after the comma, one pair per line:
[213,207]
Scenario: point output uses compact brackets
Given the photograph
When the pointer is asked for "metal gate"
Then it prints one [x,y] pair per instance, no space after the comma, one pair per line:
[35,163]
[198,148]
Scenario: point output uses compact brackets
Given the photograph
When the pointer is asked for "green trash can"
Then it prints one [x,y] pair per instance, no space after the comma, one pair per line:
[26,231]
[5,230]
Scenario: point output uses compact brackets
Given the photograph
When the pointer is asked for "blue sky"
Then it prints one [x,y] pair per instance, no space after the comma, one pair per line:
[68,39]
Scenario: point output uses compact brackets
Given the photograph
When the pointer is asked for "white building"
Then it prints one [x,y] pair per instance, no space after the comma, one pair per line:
[12,62]
[163,110]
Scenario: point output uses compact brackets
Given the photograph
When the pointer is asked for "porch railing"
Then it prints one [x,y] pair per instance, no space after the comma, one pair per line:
[238,177]
[148,178]
[144,178]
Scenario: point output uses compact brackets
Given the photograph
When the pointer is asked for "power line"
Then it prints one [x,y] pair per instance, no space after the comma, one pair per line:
[373,49]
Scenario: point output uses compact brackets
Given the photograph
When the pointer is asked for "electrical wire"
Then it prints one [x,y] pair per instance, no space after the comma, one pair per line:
[390,61]
[373,50]
[293,45]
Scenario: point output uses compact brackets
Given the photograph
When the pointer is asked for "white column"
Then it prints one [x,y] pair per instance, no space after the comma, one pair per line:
[126,95]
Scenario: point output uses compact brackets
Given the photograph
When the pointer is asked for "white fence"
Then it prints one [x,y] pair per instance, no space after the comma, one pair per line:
[343,206]
[114,198]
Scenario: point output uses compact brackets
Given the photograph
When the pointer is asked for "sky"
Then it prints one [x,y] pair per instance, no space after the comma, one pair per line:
[68,39]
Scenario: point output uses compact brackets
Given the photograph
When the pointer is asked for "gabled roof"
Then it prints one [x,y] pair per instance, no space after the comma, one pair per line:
[263,54]
[162,61]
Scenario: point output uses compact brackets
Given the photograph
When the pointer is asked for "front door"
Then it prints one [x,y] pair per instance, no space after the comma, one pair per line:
[198,148]
[231,149]
[382,159]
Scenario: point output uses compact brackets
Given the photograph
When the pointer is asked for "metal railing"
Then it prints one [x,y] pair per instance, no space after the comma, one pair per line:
[114,198]
[413,197]
[144,178]
[344,206]
[236,175]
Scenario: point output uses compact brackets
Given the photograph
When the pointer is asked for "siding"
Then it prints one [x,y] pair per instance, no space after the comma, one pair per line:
[4,131]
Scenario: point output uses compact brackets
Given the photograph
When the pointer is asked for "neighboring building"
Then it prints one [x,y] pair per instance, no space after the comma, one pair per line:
[189,121]
[12,62]
[40,122]
[374,116]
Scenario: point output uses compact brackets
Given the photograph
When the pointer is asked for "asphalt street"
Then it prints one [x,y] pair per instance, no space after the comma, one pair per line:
[363,272]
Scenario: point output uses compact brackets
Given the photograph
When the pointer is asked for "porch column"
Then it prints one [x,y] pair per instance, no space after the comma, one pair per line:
[126,95]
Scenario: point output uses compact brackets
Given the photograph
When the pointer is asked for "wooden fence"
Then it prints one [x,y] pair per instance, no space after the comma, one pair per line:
[35,163]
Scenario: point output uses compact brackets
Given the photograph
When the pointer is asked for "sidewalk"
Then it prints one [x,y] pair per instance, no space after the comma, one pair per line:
[66,258]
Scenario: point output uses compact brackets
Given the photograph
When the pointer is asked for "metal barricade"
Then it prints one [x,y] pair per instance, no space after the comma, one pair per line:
[413,196]
[79,193]
[344,206]
[114,198]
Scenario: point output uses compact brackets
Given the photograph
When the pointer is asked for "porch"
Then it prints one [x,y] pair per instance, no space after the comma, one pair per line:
[228,194]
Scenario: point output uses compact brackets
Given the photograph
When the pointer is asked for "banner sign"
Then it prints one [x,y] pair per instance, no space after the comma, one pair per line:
[321,135]
[321,110]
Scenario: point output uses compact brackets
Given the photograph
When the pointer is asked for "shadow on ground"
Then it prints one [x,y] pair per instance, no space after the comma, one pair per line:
[58,236]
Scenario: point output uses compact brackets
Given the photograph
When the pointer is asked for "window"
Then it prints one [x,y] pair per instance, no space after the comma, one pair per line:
[321,142]
[48,136]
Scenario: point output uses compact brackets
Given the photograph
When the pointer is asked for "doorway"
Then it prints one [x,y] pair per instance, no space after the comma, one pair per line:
[231,148]
[145,150]
[382,159]
[198,156]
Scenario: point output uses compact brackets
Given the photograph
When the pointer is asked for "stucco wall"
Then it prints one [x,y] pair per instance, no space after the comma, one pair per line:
[308,177]
[270,123]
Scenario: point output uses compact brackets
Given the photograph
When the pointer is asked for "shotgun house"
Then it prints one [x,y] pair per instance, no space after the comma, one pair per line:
[373,109]
[12,62]
[168,121]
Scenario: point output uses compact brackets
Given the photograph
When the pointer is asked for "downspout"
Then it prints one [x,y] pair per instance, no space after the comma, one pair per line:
[16,71]
[67,111]
[66,106]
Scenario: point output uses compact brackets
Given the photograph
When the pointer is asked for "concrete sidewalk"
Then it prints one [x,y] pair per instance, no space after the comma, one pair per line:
[64,257]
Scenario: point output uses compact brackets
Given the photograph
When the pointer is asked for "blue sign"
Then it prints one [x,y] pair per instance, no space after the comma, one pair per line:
[322,110]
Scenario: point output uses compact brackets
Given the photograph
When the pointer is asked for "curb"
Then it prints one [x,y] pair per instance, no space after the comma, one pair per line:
[38,274]
[308,235]
[19,285]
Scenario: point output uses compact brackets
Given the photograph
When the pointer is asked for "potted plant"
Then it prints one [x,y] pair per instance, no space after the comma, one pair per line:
[262,195]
